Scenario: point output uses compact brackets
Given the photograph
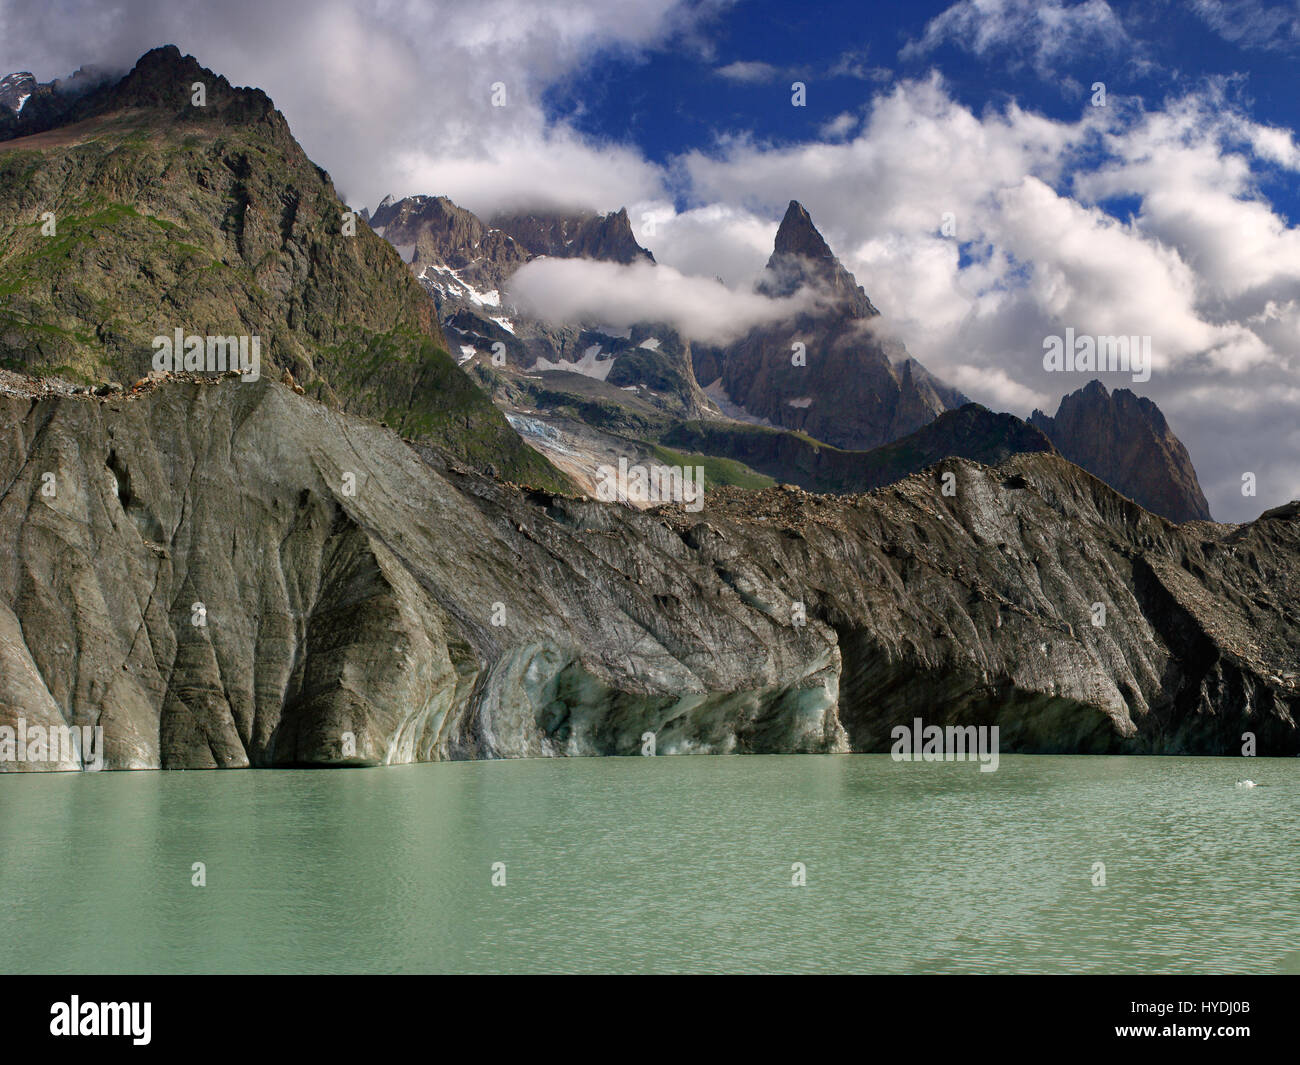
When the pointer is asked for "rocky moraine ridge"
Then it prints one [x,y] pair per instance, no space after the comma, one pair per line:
[354,583]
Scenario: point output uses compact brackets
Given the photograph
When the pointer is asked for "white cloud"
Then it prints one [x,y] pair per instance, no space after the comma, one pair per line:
[850,64]
[999,389]
[749,71]
[854,64]
[1036,32]
[567,290]
[1251,24]
[530,167]
[840,126]
[717,240]
[1191,165]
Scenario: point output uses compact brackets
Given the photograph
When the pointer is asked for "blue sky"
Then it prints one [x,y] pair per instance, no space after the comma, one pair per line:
[949,152]
[670,100]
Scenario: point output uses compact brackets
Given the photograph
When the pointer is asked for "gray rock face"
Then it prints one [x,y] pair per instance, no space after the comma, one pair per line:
[443,238]
[1125,440]
[230,574]
[581,235]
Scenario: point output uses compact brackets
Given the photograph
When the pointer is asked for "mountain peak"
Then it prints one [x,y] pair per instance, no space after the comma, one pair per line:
[798,236]
[167,58]
[161,80]
[1125,440]
[164,78]
[802,257]
[578,235]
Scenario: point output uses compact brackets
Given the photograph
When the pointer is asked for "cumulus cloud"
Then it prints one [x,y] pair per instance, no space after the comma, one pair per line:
[567,290]
[840,126]
[717,240]
[394,96]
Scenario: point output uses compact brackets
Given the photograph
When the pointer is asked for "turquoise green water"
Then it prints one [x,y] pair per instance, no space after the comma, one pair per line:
[658,864]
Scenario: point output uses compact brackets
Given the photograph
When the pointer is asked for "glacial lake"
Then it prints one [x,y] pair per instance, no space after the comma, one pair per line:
[659,864]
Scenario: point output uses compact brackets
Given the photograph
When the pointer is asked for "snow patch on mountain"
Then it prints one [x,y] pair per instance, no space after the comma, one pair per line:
[590,365]
[16,90]
[451,285]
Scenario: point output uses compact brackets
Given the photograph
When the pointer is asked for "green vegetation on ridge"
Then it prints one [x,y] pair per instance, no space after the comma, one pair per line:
[214,221]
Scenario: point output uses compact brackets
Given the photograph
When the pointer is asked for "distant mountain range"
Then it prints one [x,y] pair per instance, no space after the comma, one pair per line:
[853,390]
[465,265]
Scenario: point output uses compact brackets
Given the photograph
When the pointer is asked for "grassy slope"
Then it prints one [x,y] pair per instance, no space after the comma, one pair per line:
[971,432]
[716,470]
[217,223]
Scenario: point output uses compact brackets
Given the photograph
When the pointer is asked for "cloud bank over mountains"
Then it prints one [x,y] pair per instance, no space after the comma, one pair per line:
[977,231]
[569,290]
